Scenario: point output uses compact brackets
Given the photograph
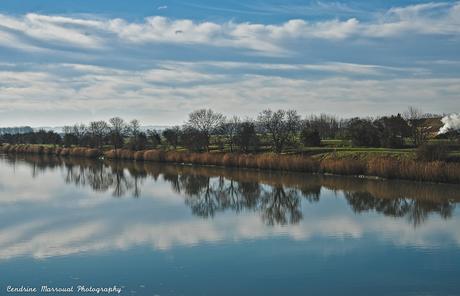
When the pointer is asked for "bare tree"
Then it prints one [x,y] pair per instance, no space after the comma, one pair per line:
[79,130]
[230,129]
[134,130]
[205,121]
[418,129]
[98,131]
[172,136]
[282,127]
[118,131]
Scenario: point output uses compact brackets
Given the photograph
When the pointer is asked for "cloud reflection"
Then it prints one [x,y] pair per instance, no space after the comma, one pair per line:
[217,206]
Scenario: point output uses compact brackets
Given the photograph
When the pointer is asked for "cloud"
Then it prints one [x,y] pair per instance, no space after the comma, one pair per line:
[159,69]
[56,30]
[274,39]
[428,18]
[178,87]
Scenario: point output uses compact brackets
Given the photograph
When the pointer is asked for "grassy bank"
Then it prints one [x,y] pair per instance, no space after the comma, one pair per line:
[384,165]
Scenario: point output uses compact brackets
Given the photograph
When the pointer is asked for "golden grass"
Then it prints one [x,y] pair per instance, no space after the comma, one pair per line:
[45,150]
[385,167]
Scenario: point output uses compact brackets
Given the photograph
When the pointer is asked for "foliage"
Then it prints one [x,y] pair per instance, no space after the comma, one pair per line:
[310,138]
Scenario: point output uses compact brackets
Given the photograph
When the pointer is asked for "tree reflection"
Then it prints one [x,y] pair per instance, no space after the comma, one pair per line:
[416,211]
[280,206]
[276,197]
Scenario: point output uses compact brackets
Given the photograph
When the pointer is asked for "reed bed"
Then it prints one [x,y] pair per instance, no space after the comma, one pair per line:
[385,167]
[46,150]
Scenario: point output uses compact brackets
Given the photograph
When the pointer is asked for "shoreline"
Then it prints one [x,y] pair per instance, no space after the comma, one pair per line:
[382,167]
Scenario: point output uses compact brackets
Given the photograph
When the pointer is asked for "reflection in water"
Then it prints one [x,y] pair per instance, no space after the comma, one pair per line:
[415,210]
[276,196]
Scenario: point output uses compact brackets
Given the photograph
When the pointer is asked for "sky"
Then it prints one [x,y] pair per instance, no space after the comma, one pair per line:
[67,61]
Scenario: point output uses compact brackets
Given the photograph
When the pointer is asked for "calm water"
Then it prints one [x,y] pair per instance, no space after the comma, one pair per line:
[178,230]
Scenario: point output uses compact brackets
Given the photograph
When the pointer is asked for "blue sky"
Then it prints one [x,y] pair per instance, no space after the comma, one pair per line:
[75,61]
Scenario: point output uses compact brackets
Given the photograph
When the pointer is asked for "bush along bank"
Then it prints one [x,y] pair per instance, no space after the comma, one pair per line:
[384,167]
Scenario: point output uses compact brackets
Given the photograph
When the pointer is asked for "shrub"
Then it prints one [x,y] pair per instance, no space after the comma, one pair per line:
[310,138]
[432,152]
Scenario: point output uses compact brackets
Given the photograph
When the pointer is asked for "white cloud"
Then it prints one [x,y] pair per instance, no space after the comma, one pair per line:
[428,18]
[431,18]
[54,29]
[182,87]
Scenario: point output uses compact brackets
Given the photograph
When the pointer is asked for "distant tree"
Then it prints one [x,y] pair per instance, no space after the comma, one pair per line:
[326,125]
[154,138]
[392,131]
[363,132]
[194,139]
[230,129]
[79,131]
[206,122]
[172,136]
[69,138]
[310,138]
[134,130]
[416,121]
[118,132]
[142,141]
[246,137]
[282,127]
[98,131]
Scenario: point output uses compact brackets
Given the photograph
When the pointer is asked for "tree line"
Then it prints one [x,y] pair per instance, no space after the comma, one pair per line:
[278,131]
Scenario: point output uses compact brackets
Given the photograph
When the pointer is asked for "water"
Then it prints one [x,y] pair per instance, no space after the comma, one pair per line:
[179,230]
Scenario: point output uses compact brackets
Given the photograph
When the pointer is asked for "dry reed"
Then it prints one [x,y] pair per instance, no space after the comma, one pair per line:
[386,167]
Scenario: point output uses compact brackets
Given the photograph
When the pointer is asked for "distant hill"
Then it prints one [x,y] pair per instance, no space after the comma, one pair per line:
[15,130]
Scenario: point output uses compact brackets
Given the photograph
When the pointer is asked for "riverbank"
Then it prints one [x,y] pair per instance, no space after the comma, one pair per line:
[379,166]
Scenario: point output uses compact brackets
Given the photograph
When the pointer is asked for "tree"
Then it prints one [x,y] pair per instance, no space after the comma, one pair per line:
[153,138]
[246,136]
[142,141]
[69,137]
[194,139]
[326,125]
[363,132]
[134,130]
[206,122]
[230,129]
[310,138]
[172,136]
[118,131]
[98,131]
[282,127]
[79,130]
[416,119]
[392,131]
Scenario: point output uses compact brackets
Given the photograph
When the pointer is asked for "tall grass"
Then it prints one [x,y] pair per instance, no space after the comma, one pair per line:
[45,150]
[385,167]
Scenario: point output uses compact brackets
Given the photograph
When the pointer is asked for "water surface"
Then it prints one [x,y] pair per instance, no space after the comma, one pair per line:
[181,230]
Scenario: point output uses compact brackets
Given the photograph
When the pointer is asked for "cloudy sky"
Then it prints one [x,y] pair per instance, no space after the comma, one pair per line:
[65,61]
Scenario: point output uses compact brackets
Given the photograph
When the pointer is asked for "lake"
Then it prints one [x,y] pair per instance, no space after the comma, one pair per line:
[156,229]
